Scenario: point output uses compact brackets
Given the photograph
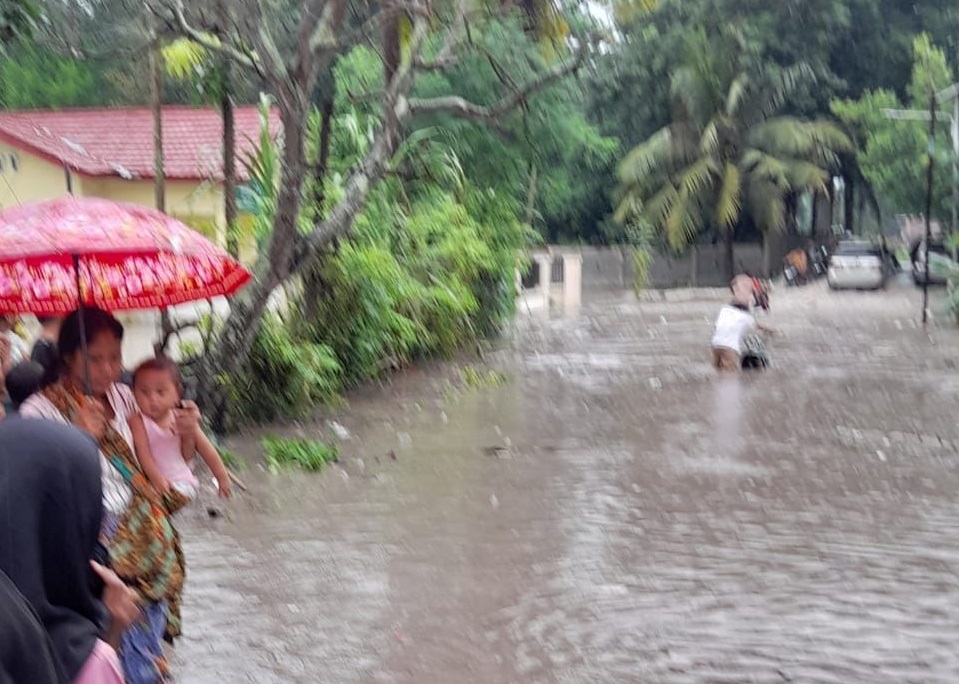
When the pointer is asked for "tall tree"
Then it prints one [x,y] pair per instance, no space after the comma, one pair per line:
[291,61]
[892,153]
[724,154]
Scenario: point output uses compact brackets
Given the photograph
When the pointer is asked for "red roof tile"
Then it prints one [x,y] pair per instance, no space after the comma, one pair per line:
[119,142]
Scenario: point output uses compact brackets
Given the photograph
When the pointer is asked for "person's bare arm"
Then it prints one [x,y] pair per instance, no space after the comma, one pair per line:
[211,457]
[766,329]
[121,603]
[141,444]
[188,446]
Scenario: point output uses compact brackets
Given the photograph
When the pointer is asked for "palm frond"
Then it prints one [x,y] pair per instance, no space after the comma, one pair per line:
[709,139]
[767,205]
[778,88]
[658,206]
[818,142]
[630,206]
[762,167]
[685,220]
[802,175]
[729,201]
[736,94]
[656,155]
[663,154]
[698,176]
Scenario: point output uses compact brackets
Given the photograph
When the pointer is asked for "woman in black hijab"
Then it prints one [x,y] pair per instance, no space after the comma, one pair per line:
[26,654]
[49,527]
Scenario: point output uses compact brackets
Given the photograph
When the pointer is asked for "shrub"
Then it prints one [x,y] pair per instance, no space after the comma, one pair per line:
[414,282]
[286,377]
[307,454]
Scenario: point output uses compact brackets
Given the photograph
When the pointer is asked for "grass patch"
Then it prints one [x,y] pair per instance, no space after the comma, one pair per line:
[474,378]
[308,454]
[232,460]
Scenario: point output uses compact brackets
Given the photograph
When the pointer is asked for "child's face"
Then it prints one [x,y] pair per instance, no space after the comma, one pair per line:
[156,393]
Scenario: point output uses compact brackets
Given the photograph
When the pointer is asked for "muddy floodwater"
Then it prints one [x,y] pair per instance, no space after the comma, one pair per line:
[612,512]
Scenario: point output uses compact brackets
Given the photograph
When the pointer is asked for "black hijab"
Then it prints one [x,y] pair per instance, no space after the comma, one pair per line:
[26,654]
[50,512]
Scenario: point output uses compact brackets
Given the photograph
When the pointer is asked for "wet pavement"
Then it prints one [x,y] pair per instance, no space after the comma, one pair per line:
[613,512]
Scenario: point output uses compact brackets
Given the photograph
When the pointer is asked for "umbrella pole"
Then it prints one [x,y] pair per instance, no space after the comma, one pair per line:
[87,388]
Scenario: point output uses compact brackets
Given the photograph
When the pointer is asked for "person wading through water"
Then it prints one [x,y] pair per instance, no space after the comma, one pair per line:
[734,323]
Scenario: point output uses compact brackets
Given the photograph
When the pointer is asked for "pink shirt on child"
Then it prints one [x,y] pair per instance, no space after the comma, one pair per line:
[167,453]
[102,667]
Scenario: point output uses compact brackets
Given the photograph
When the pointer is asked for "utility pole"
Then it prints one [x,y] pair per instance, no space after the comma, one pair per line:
[949,94]
[931,151]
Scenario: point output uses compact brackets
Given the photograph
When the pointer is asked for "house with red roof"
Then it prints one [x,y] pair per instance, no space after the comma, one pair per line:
[109,153]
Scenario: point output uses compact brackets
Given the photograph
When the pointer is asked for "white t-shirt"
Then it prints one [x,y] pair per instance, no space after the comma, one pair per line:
[732,326]
[116,491]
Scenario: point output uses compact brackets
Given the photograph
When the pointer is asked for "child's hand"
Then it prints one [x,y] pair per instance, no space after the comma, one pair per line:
[225,488]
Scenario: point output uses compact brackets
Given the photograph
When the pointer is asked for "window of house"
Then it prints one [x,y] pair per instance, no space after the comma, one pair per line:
[15,162]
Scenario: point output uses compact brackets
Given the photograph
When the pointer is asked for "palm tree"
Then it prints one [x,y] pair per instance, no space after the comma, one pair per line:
[726,155]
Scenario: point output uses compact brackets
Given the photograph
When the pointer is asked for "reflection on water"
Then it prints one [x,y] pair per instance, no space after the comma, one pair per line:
[585,524]
[727,415]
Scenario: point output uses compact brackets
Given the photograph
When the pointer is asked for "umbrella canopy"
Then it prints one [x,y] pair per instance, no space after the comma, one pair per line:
[123,256]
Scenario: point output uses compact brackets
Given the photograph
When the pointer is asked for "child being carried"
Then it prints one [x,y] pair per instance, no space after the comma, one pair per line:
[164,453]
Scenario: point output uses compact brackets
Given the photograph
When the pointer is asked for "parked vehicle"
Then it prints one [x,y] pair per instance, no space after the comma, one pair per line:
[858,265]
[820,261]
[940,263]
[801,266]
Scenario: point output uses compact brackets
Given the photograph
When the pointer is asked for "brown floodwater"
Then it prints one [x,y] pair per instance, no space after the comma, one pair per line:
[613,512]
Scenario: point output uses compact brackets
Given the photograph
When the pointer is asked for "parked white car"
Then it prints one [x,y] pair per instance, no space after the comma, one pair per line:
[940,263]
[857,265]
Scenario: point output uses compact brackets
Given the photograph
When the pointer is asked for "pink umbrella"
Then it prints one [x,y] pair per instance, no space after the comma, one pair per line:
[119,256]
[58,255]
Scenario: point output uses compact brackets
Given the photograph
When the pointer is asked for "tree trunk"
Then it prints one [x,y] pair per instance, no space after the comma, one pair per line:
[229,162]
[216,370]
[730,255]
[156,108]
[694,267]
[767,255]
[313,283]
[849,204]
[159,173]
[392,56]
[531,194]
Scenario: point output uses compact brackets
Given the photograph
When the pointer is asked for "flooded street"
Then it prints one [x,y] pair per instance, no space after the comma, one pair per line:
[613,512]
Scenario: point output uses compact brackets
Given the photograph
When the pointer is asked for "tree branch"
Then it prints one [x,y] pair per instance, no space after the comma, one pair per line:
[267,68]
[375,164]
[448,54]
[491,115]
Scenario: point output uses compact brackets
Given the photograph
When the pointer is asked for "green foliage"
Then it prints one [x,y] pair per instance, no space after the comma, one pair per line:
[410,281]
[232,460]
[722,157]
[551,133]
[258,196]
[286,376]
[306,454]
[36,78]
[18,19]
[893,153]
[474,378]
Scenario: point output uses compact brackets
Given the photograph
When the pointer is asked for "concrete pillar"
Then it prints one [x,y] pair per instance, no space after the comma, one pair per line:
[545,262]
[572,282]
